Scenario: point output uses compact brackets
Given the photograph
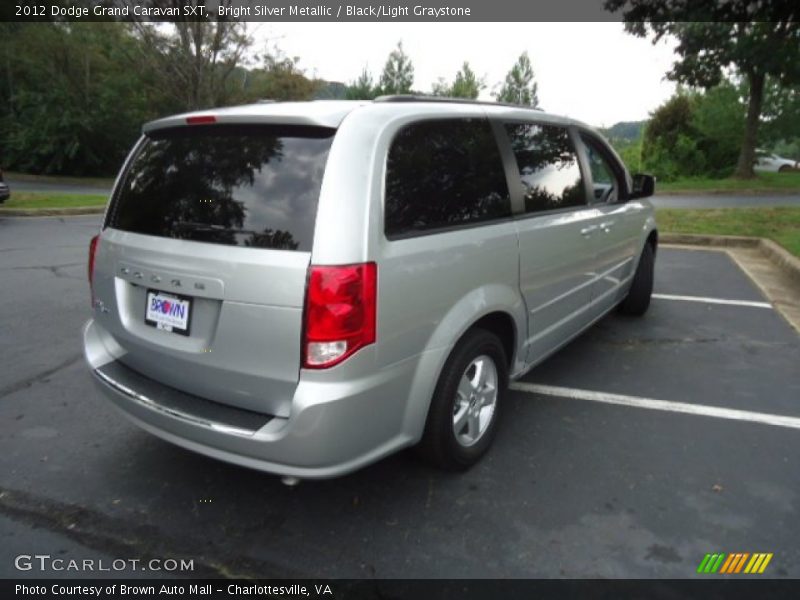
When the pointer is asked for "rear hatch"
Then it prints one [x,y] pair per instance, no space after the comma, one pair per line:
[200,274]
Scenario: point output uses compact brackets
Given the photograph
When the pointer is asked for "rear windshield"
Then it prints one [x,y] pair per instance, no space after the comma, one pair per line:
[237,185]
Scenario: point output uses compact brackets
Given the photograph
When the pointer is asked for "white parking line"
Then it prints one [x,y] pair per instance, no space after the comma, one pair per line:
[713,300]
[653,404]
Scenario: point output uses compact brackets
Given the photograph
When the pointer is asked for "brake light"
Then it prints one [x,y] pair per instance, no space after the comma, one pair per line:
[339,313]
[201,120]
[92,251]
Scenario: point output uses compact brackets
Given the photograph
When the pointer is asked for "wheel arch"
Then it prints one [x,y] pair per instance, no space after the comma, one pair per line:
[497,309]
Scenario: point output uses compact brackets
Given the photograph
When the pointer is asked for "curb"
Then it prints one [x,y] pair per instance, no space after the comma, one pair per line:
[781,258]
[693,239]
[52,212]
[786,262]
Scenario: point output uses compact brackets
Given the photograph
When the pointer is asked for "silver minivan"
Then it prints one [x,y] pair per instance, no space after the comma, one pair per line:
[304,288]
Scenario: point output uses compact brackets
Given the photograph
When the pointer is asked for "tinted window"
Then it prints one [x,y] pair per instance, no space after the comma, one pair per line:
[236,185]
[604,182]
[444,173]
[548,166]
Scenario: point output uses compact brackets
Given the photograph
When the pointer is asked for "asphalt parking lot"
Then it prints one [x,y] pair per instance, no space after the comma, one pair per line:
[584,480]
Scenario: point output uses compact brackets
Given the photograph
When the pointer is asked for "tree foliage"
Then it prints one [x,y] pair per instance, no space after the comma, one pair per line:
[280,78]
[73,96]
[718,119]
[363,88]
[630,151]
[695,134]
[668,146]
[781,119]
[520,86]
[465,85]
[398,72]
[193,62]
[66,105]
[758,40]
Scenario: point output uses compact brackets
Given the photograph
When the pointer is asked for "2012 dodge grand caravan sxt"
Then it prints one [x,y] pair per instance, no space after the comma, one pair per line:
[304,288]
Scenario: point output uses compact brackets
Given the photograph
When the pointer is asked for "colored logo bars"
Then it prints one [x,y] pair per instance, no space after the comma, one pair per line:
[735,563]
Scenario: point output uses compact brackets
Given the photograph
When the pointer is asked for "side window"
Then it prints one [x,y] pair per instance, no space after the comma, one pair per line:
[548,166]
[444,173]
[605,185]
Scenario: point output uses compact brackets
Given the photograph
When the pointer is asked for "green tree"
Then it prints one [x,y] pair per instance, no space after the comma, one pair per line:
[718,122]
[720,36]
[630,151]
[781,125]
[465,85]
[520,86]
[695,133]
[69,101]
[398,73]
[73,96]
[282,79]
[193,63]
[669,149]
[363,88]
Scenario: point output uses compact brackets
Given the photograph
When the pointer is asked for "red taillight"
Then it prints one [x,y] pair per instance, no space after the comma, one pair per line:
[92,251]
[339,313]
[201,120]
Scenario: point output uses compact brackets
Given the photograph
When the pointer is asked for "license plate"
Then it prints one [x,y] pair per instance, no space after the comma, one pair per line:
[168,312]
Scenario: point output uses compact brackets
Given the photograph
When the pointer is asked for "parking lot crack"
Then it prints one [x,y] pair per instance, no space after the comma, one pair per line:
[54,269]
[118,537]
[29,381]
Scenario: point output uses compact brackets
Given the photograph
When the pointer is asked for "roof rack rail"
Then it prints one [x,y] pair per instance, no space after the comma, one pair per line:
[448,100]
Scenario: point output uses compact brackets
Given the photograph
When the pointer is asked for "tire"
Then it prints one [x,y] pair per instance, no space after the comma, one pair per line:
[785,169]
[637,301]
[473,400]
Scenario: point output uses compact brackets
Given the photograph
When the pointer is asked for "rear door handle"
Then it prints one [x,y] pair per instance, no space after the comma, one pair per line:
[587,231]
[606,225]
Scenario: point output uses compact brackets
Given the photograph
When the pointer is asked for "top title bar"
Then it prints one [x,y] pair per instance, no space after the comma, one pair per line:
[391,11]
[313,11]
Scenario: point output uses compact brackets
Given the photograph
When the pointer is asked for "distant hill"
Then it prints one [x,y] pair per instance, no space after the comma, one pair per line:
[331,90]
[625,130]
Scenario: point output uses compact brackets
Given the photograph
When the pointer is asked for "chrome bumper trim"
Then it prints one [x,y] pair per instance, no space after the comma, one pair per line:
[172,412]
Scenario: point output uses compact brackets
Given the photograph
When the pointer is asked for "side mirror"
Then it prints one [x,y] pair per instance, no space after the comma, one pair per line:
[643,186]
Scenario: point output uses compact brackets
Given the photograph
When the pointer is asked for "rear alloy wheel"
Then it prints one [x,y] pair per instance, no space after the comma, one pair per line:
[637,301]
[476,400]
[465,407]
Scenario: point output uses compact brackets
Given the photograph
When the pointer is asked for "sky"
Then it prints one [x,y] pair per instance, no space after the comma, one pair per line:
[594,72]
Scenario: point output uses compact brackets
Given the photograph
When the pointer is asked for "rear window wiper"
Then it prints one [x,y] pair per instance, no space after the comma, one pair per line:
[196,226]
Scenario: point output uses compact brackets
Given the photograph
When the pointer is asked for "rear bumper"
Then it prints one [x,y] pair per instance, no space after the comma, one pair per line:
[333,428]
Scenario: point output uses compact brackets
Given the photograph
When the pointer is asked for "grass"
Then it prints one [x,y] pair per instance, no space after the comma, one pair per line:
[780,224]
[100,182]
[34,200]
[763,183]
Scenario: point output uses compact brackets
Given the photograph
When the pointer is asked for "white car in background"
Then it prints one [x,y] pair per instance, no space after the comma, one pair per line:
[5,193]
[766,161]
